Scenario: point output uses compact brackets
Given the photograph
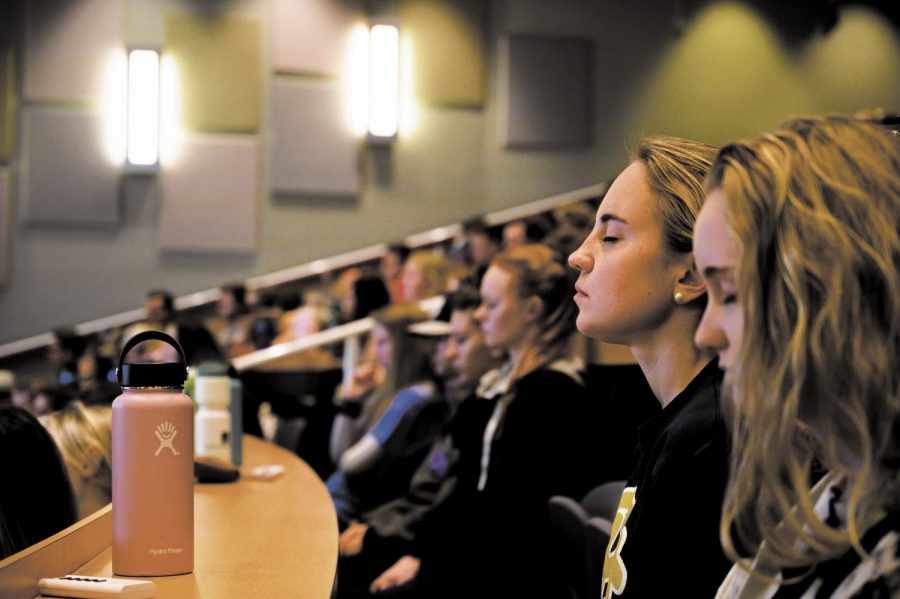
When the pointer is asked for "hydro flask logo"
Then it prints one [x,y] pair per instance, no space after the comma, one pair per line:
[166,432]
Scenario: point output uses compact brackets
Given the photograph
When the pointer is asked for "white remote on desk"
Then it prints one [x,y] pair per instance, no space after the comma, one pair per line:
[96,587]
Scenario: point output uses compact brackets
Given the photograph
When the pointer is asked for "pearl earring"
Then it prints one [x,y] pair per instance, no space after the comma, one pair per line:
[679,298]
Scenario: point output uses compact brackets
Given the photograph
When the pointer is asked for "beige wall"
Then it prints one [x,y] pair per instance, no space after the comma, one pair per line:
[727,71]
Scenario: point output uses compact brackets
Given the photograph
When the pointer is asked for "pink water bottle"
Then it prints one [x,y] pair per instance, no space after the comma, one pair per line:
[152,467]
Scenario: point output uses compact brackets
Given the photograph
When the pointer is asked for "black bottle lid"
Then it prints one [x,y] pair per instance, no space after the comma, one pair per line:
[151,374]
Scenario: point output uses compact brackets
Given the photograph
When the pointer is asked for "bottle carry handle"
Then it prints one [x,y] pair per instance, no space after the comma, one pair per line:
[147,336]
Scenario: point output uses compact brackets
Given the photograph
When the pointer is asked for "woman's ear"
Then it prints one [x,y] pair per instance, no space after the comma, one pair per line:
[689,286]
[534,308]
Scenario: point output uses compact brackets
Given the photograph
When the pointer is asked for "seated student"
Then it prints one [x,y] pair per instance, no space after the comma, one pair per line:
[35,496]
[537,437]
[391,270]
[232,327]
[367,294]
[799,244]
[83,435]
[424,275]
[63,353]
[408,386]
[637,286]
[382,535]
[196,341]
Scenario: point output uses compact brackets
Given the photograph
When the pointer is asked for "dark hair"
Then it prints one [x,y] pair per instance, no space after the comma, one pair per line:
[239,292]
[466,297]
[399,249]
[36,498]
[370,294]
[167,298]
[70,341]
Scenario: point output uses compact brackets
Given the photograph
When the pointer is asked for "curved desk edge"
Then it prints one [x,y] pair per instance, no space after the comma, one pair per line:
[61,554]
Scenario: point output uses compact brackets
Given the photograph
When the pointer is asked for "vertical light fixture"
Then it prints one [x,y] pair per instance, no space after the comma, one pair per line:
[384,83]
[143,109]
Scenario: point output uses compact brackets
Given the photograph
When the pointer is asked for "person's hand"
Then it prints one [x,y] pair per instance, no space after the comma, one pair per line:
[351,540]
[403,571]
[366,377]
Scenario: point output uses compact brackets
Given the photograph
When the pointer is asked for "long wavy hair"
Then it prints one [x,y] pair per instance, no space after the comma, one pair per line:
[815,208]
[537,270]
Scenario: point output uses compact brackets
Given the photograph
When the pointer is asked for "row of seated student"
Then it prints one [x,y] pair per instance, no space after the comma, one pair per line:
[518,424]
[782,482]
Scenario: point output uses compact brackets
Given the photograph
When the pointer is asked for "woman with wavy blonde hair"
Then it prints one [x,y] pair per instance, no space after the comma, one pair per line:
[799,245]
[84,437]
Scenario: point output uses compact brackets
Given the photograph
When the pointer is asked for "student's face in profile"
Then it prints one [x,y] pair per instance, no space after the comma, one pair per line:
[391,266]
[226,305]
[716,253]
[381,340]
[414,284]
[501,315]
[465,352]
[628,277]
[155,307]
[514,235]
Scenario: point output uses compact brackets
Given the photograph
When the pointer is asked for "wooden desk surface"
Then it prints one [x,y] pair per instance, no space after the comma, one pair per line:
[256,538]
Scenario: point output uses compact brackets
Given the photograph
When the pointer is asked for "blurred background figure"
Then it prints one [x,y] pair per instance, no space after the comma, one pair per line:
[232,327]
[63,353]
[391,270]
[196,341]
[360,444]
[367,294]
[424,275]
[83,435]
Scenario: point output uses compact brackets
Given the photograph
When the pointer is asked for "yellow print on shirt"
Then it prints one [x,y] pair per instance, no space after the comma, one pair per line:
[615,574]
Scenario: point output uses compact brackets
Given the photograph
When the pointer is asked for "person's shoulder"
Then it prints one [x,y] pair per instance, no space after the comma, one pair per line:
[557,376]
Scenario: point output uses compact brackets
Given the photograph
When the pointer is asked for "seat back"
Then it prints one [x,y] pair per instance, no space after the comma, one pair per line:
[567,530]
[603,501]
[596,540]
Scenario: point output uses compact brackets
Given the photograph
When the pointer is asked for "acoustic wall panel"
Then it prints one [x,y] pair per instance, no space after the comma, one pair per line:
[67,175]
[547,91]
[7,103]
[70,48]
[448,50]
[210,196]
[313,148]
[5,233]
[313,36]
[218,60]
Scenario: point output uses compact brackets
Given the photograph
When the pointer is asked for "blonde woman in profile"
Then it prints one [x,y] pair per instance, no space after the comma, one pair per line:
[424,275]
[799,246]
[84,437]
[637,287]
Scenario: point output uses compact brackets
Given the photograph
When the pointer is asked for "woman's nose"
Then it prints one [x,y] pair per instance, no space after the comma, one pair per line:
[581,260]
[709,333]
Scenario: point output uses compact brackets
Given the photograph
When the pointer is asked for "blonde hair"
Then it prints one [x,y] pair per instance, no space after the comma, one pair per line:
[410,360]
[815,208]
[676,169]
[537,270]
[435,270]
[81,431]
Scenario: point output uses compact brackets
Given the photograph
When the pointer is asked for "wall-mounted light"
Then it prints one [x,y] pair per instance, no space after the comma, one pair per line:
[143,109]
[384,83]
